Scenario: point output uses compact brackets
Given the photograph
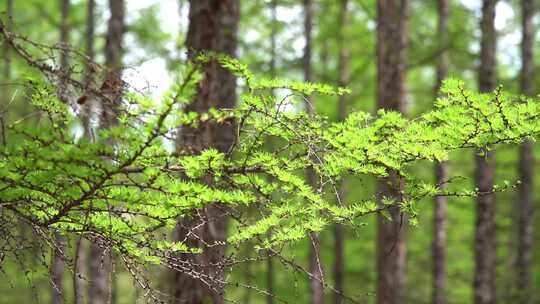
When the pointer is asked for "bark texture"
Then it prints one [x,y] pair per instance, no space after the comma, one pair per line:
[392,40]
[81,258]
[484,245]
[315,265]
[6,74]
[213,26]
[57,269]
[273,63]
[343,71]
[441,171]
[526,163]
[101,258]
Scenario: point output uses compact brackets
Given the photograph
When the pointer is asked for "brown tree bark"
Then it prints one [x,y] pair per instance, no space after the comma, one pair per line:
[315,265]
[101,258]
[526,163]
[80,262]
[273,63]
[392,40]
[441,171]
[6,74]
[484,246]
[57,269]
[343,71]
[115,35]
[213,26]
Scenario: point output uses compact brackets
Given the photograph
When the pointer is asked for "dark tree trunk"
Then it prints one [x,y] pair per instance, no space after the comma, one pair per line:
[57,269]
[213,26]
[115,35]
[339,237]
[392,39]
[526,163]
[101,258]
[315,265]
[80,263]
[441,171]
[273,63]
[6,73]
[484,246]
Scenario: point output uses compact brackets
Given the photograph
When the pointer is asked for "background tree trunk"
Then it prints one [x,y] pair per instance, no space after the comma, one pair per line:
[80,263]
[213,26]
[441,170]
[526,163]
[343,71]
[392,36]
[273,74]
[57,269]
[315,265]
[101,258]
[6,74]
[484,247]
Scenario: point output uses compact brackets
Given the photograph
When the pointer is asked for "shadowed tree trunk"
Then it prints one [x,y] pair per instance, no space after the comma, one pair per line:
[80,263]
[343,71]
[273,59]
[526,163]
[213,26]
[6,74]
[484,245]
[441,170]
[392,39]
[57,269]
[101,258]
[315,265]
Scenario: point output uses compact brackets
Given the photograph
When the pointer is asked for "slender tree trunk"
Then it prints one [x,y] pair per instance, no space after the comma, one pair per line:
[213,26]
[273,59]
[315,265]
[80,263]
[484,247]
[6,75]
[441,171]
[343,70]
[392,39]
[6,72]
[101,258]
[526,162]
[57,269]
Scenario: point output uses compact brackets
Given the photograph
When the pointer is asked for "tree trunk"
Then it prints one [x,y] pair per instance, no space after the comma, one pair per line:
[57,270]
[101,258]
[213,26]
[80,263]
[339,238]
[6,74]
[273,63]
[484,247]
[526,163]
[441,171]
[115,35]
[392,39]
[315,265]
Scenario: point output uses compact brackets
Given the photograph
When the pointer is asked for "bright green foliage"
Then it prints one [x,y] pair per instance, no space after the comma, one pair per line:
[133,193]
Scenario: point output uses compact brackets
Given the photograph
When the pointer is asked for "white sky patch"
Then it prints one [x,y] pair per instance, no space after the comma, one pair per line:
[503,14]
[474,5]
[153,75]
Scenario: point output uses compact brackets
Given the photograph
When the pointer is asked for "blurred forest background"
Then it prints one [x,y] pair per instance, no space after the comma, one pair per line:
[341,42]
